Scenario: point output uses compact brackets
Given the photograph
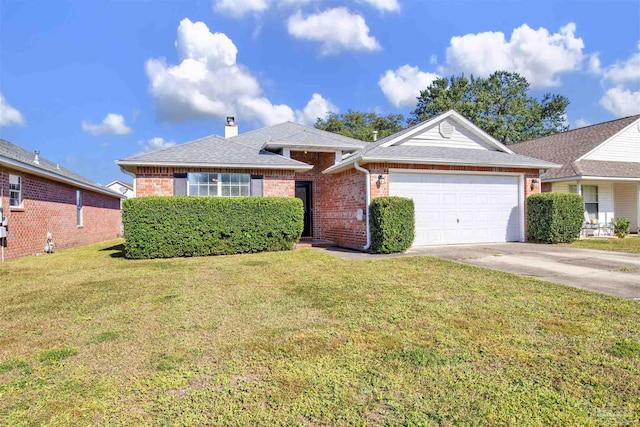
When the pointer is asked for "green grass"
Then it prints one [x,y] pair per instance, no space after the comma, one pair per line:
[303,338]
[629,244]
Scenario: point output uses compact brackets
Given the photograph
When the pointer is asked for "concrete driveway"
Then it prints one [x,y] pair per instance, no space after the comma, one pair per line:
[612,273]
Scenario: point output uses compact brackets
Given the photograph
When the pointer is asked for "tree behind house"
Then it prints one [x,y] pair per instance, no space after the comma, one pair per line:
[359,125]
[498,104]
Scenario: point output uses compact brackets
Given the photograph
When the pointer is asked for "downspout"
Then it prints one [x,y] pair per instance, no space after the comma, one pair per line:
[368,198]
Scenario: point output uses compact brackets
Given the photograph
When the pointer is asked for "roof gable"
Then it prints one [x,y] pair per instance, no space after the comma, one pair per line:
[447,130]
[566,147]
[486,152]
[623,146]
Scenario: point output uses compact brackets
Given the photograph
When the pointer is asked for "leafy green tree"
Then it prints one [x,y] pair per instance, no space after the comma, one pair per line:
[359,125]
[498,104]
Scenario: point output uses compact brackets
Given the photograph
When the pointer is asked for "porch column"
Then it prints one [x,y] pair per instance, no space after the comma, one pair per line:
[579,187]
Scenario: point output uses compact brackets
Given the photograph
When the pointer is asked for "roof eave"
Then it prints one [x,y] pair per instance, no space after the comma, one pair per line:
[460,163]
[56,177]
[301,167]
[413,161]
[589,178]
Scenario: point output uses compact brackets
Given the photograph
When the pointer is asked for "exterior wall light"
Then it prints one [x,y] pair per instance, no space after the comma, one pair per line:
[380,180]
[535,183]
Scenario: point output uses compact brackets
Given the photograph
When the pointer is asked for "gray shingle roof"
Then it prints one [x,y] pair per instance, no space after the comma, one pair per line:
[440,155]
[293,134]
[213,150]
[26,158]
[247,148]
[564,148]
[608,169]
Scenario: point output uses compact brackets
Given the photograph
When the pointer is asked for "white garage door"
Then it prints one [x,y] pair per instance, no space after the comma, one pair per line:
[454,208]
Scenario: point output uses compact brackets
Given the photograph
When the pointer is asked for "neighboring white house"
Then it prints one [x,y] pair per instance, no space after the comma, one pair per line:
[601,162]
[123,188]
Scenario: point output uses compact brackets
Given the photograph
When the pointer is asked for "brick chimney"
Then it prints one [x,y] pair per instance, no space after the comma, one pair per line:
[230,129]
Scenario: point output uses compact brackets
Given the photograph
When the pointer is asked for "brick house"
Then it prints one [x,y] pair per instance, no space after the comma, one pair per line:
[39,197]
[467,186]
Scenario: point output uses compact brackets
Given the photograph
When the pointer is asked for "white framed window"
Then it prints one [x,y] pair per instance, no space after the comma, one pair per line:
[590,197]
[79,208]
[218,184]
[15,190]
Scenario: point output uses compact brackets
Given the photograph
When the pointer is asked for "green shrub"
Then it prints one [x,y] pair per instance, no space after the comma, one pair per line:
[166,227]
[621,227]
[554,217]
[392,224]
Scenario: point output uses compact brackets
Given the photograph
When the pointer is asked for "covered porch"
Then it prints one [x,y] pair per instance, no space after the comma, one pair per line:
[605,199]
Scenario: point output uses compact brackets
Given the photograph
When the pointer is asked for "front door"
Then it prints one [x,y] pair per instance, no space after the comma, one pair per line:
[303,192]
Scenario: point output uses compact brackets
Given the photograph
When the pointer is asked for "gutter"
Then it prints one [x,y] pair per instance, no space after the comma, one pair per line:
[213,165]
[368,199]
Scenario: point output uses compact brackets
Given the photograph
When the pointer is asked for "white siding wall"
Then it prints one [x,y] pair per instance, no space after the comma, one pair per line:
[605,196]
[461,138]
[625,147]
[625,198]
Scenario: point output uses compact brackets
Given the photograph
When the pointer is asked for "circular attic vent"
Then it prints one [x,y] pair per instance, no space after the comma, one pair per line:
[446,129]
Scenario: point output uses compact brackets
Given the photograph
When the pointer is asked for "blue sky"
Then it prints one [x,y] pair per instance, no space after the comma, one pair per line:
[90,82]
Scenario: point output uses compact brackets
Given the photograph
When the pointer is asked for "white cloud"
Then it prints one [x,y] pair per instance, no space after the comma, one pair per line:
[113,124]
[537,55]
[208,82]
[336,30]
[621,102]
[625,71]
[594,65]
[317,107]
[238,8]
[155,143]
[9,116]
[403,86]
[384,5]
[580,123]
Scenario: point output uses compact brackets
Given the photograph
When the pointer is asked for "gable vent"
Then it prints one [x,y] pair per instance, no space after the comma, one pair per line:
[446,129]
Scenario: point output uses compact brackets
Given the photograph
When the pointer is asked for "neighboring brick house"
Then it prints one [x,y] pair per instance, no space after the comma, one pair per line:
[39,197]
[466,185]
[601,162]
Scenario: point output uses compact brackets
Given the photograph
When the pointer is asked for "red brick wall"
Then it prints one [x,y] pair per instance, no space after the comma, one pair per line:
[345,194]
[157,181]
[50,206]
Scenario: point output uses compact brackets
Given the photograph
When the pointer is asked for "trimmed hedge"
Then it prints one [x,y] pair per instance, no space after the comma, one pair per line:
[554,217]
[167,227]
[392,224]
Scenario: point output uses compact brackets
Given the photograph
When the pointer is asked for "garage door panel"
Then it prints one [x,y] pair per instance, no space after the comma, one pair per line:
[463,208]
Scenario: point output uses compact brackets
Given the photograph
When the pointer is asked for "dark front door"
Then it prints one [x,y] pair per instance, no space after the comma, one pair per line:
[303,192]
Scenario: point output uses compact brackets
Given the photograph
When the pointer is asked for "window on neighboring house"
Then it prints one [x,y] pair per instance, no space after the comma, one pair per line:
[218,184]
[78,208]
[15,190]
[590,197]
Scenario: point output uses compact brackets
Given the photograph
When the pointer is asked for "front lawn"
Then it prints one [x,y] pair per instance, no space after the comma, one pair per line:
[303,338]
[629,244]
